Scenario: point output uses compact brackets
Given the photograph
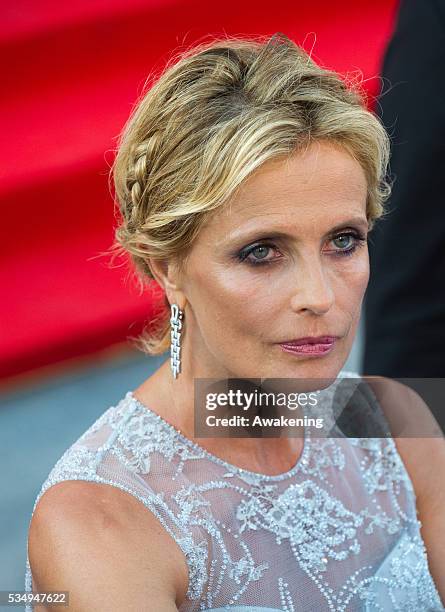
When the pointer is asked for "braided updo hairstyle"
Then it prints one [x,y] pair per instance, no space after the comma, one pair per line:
[217,112]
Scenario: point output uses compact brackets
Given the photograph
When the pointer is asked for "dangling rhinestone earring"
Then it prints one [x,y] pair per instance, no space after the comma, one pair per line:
[175,346]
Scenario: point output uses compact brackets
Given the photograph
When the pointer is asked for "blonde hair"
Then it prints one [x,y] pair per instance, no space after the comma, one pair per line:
[218,111]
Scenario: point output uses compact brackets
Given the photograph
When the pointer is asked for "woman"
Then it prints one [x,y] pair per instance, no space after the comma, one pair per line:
[248,178]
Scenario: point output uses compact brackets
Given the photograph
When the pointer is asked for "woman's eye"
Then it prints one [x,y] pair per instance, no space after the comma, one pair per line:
[257,254]
[344,240]
[348,243]
[260,252]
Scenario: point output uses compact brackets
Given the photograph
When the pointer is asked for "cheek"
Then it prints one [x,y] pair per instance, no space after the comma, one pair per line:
[359,273]
[230,303]
[351,282]
[354,268]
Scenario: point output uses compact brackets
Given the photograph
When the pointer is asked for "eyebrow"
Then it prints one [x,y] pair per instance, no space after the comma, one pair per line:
[280,234]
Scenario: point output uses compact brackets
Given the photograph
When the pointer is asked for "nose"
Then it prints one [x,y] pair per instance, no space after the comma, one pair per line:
[313,292]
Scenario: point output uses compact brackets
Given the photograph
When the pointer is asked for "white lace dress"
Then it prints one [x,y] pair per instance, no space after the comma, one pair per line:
[338,531]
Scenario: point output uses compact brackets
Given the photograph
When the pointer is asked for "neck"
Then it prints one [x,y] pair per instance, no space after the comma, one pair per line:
[173,398]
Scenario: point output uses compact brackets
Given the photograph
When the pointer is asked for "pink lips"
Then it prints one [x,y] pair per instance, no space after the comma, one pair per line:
[310,345]
[310,340]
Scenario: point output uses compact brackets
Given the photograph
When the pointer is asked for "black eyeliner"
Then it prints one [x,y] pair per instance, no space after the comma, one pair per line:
[359,239]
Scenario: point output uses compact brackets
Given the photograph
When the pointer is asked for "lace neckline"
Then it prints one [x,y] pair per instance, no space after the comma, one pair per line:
[303,457]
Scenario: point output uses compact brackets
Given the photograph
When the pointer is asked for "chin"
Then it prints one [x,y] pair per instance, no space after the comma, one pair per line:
[314,373]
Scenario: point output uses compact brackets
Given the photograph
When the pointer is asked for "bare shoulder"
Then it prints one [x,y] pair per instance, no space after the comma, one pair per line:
[416,433]
[106,548]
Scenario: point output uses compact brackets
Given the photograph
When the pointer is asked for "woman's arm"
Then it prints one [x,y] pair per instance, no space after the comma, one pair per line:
[104,547]
[424,459]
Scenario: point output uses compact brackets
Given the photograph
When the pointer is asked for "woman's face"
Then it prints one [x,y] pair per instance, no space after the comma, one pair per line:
[286,259]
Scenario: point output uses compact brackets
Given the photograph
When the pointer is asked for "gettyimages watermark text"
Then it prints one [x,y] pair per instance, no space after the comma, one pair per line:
[361,407]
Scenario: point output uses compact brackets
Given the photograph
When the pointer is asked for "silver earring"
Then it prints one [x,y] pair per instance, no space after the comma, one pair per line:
[175,346]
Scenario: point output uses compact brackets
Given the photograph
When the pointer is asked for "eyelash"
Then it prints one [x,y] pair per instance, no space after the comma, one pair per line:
[359,240]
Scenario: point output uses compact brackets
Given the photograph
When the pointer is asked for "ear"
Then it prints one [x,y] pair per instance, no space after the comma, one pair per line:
[167,275]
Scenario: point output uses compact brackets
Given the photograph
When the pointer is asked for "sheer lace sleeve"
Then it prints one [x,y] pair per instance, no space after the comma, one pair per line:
[119,454]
